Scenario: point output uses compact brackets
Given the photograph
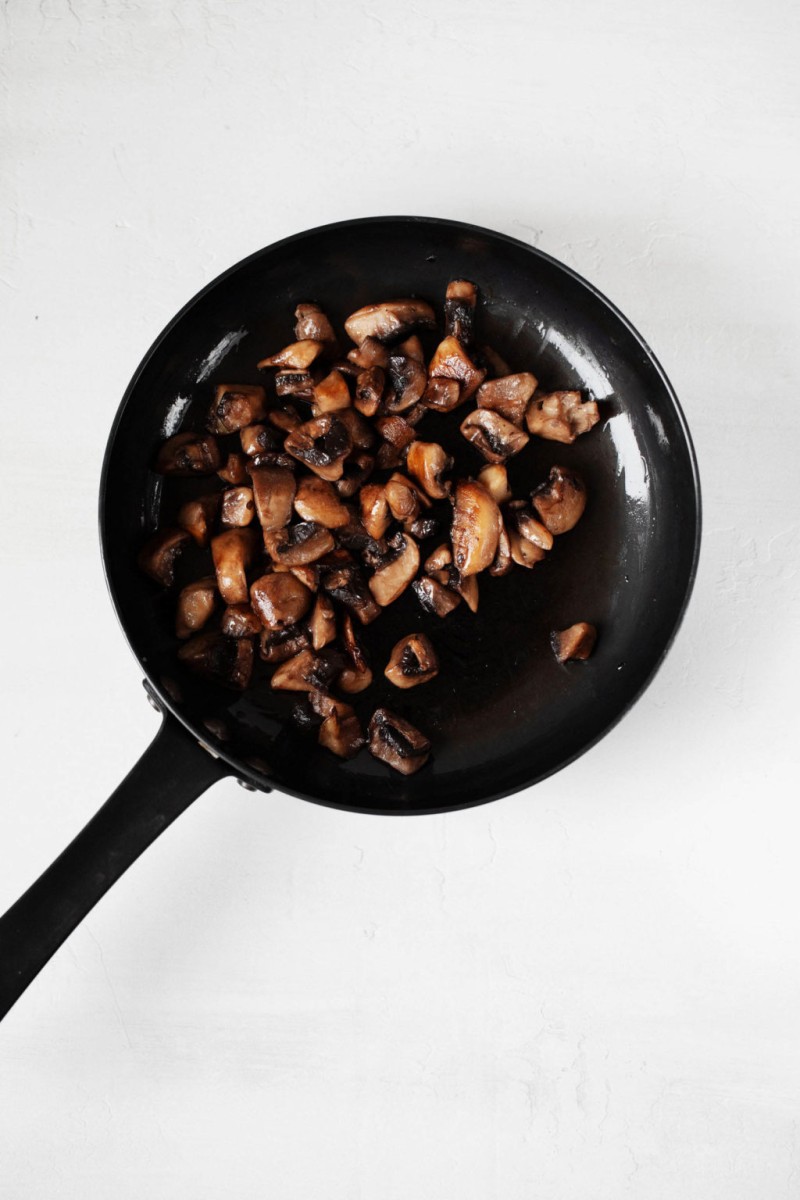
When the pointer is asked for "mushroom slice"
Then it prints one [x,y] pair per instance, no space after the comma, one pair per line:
[356,675]
[316,500]
[494,478]
[404,498]
[357,469]
[459,310]
[496,438]
[424,527]
[340,731]
[238,506]
[391,319]
[503,562]
[322,445]
[561,416]
[280,599]
[442,395]
[158,555]
[322,623]
[278,645]
[285,419]
[189,454]
[391,580]
[361,432]
[411,348]
[408,379]
[508,396]
[296,674]
[307,573]
[526,525]
[197,516]
[413,661]
[346,584]
[369,390]
[331,393]
[235,406]
[451,361]
[258,439]
[234,469]
[273,492]
[369,353]
[223,660]
[375,515]
[426,461]
[476,528]
[312,324]
[576,642]
[560,502]
[396,742]
[300,544]
[396,431]
[239,621]
[232,553]
[442,557]
[297,357]
[299,384]
[467,588]
[435,597]
[195,606]
[523,552]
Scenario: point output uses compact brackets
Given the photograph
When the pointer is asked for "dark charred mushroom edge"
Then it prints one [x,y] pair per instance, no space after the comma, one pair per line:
[330,502]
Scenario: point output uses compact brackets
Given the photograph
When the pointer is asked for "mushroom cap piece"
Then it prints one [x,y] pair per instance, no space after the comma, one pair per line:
[494,478]
[220,659]
[397,742]
[561,416]
[278,645]
[300,544]
[435,597]
[476,528]
[577,642]
[187,454]
[317,500]
[273,491]
[408,378]
[196,603]
[297,357]
[391,580]
[331,393]
[508,396]
[413,661]
[238,507]
[239,621]
[451,361]
[560,501]
[197,516]
[370,384]
[312,324]
[340,731]
[280,600]
[459,310]
[322,623]
[232,552]
[427,461]
[390,319]
[443,395]
[496,438]
[157,557]
[235,406]
[322,445]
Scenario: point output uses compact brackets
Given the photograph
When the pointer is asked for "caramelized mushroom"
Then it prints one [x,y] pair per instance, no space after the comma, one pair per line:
[307,573]
[233,552]
[435,597]
[459,310]
[369,390]
[299,384]
[340,731]
[257,439]
[300,544]
[197,516]
[240,621]
[234,469]
[356,675]
[424,527]
[561,416]
[223,660]
[195,606]
[496,438]
[404,498]
[238,506]
[396,742]
[560,502]
[361,432]
[322,445]
[442,395]
[503,562]
[285,419]
[296,674]
[235,406]
[467,588]
[322,624]
[508,396]
[278,645]
[297,357]
[408,379]
[523,552]
[451,361]
[476,528]
[522,519]
[442,557]
[391,319]
[280,599]
[391,580]
[576,642]
[312,324]
[375,514]
[397,435]
[426,461]
[331,393]
[159,553]
[273,492]
[316,500]
[357,469]
[494,478]
[413,661]
[412,348]
[189,454]
[346,584]
[369,353]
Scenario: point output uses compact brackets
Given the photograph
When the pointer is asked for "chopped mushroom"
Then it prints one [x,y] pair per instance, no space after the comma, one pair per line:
[189,454]
[195,605]
[451,361]
[322,445]
[157,556]
[297,357]
[357,470]
[312,324]
[411,348]
[285,419]
[234,469]
[278,645]
[340,731]
[197,516]
[375,514]
[347,585]
[426,461]
[238,506]
[413,661]
[299,544]
[369,353]
[362,435]
[233,552]
[397,435]
[496,438]
[391,319]
[295,383]
[522,519]
[235,406]
[331,393]
[459,310]
[391,580]
[508,396]
[443,395]
[503,562]
[240,621]
[273,492]
[494,478]
[322,623]
[442,557]
[561,416]
[434,597]
[258,439]
[356,675]
[560,502]
[223,660]
[296,674]
[404,498]
[408,378]
[476,528]
[280,599]
[316,500]
[523,552]
[577,642]
[397,742]
[370,384]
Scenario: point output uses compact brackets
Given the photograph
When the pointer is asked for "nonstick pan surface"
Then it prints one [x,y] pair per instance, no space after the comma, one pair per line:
[502,714]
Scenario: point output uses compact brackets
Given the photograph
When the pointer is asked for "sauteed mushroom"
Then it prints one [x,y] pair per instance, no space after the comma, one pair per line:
[258,439]
[322,624]
[234,469]
[451,361]
[273,492]
[159,553]
[441,557]
[357,469]
[312,324]
[375,514]
[391,580]
[494,478]
[280,599]
[369,390]
[322,445]
[413,661]
[299,544]
[503,561]
[362,435]
[408,379]
[561,416]
[222,660]
[316,500]
[235,406]
[560,502]
[426,461]
[577,642]
[522,519]
[238,506]
[232,553]
[496,438]
[369,353]
[285,419]
[278,645]
[197,517]
[459,310]
[476,528]
[346,584]
[391,319]
[340,730]
[299,384]
[189,454]
[356,675]
[397,742]
[297,357]
[195,605]
[331,393]
[435,597]
[240,621]
[523,552]
[508,396]
[443,395]
[404,498]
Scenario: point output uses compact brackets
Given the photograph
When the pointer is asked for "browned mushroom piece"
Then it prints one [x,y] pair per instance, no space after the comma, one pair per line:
[235,406]
[427,461]
[299,384]
[503,562]
[391,580]
[195,605]
[369,353]
[397,435]
[340,731]
[577,642]
[331,393]
[560,501]
[189,454]
[362,435]
[413,661]
[435,597]
[285,419]
[496,438]
[280,599]
[197,516]
[494,478]
[258,439]
[297,357]
[296,674]
[397,742]
[561,416]
[370,384]
[375,514]
[346,584]
[441,558]
[442,395]
[223,660]
[312,324]
[240,621]
[459,310]
[521,518]
[476,528]
[523,552]
[297,545]
[233,552]
[273,492]
[357,470]
[238,506]
[495,364]
[356,675]
[467,588]
[235,469]
[322,622]
[508,396]
[389,320]
[411,348]
[404,498]
[317,500]
[451,361]
[322,445]
[158,555]
[307,573]
[279,645]
[408,379]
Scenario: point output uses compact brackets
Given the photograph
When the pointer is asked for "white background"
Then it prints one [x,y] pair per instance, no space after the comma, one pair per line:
[591,990]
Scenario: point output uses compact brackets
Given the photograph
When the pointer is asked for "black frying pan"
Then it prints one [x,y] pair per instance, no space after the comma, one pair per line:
[502,714]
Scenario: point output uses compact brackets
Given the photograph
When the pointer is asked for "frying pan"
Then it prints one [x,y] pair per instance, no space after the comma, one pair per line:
[502,713]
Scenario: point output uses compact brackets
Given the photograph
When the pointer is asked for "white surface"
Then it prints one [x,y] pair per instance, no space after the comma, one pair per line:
[590,990]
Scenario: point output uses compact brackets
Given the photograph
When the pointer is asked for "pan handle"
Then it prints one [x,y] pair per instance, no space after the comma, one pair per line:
[173,771]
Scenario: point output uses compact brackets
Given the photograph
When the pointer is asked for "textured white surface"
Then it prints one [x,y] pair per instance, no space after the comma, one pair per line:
[589,990]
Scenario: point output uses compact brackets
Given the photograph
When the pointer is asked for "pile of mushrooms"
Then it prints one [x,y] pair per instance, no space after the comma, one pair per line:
[332,509]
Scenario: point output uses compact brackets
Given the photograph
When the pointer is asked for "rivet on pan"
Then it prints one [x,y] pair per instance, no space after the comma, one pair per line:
[248,787]
[151,699]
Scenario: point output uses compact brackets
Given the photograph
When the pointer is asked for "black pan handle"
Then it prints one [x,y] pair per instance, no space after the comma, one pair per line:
[173,771]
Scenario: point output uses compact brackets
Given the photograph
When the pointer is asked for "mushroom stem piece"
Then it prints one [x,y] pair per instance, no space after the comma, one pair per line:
[577,642]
